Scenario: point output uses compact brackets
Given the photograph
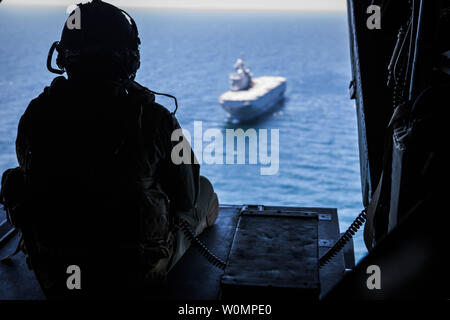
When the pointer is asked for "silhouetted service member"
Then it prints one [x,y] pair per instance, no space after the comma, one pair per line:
[96,148]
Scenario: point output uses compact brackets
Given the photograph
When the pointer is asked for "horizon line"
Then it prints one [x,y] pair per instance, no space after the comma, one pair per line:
[188,8]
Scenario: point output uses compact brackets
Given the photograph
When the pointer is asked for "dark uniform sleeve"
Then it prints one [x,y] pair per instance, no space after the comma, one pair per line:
[180,181]
[184,178]
[23,142]
[30,116]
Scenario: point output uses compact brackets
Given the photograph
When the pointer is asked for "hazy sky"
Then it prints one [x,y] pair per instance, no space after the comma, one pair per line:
[302,5]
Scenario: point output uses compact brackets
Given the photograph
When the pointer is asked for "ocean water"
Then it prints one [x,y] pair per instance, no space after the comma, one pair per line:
[190,54]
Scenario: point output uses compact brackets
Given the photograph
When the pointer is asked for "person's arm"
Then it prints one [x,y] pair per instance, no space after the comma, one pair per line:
[181,180]
[23,136]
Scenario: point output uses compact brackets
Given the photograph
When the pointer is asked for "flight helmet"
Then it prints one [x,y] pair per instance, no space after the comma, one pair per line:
[97,38]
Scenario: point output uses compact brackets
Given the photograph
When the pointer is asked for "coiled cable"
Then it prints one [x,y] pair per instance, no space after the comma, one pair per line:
[325,259]
[346,237]
[201,247]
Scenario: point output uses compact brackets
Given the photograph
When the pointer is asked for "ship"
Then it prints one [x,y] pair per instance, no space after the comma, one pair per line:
[248,97]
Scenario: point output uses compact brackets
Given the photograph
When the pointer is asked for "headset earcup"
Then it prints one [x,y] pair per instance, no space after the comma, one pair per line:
[133,63]
[60,59]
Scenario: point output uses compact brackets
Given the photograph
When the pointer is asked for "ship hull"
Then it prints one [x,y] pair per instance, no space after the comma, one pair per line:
[249,104]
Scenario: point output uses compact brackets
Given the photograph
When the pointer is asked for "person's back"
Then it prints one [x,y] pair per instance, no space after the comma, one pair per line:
[96,151]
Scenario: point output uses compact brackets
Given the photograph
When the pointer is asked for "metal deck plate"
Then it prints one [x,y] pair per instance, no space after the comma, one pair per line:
[274,255]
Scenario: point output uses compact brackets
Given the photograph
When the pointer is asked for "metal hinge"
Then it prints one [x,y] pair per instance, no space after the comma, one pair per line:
[253,207]
[324,216]
[326,243]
